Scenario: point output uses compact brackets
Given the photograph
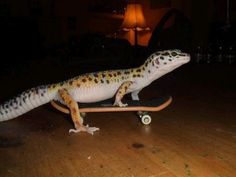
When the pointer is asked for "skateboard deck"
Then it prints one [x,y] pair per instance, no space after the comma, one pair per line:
[142,107]
[107,105]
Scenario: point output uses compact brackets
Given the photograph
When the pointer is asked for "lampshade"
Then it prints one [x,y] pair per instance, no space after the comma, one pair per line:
[134,17]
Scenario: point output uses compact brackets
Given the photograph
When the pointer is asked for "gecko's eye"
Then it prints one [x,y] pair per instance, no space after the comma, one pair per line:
[157,61]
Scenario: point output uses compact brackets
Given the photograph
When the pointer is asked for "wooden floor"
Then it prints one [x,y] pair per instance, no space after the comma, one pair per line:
[194,137]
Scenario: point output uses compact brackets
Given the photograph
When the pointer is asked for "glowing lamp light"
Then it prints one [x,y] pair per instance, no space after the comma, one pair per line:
[134,20]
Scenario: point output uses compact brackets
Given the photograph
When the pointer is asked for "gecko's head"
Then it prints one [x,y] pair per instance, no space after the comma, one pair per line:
[167,60]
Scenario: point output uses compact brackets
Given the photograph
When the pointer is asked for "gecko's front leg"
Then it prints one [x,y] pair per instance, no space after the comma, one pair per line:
[75,114]
[121,92]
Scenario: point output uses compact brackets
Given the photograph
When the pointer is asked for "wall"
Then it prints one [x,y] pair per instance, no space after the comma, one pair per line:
[53,22]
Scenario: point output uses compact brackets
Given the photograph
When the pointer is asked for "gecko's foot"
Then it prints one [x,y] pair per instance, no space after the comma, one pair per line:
[120,104]
[86,128]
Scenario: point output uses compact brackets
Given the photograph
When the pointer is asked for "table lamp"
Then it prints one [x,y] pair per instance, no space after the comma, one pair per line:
[134,20]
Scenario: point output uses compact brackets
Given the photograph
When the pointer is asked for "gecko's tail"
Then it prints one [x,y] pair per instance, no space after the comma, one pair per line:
[25,102]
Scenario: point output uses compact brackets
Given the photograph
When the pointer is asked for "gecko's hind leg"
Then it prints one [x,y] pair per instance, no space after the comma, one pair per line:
[75,114]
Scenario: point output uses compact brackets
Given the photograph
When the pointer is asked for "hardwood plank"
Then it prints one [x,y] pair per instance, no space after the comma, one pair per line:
[194,137]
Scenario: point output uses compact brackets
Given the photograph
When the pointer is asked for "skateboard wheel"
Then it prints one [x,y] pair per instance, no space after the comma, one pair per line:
[146,119]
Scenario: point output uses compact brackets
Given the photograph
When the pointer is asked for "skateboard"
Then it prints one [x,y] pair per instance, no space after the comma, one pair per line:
[141,107]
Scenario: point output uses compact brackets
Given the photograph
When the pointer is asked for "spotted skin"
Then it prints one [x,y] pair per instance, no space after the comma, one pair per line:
[93,87]
[75,114]
[121,92]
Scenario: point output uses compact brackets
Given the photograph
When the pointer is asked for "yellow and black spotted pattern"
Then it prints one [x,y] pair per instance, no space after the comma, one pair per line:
[103,77]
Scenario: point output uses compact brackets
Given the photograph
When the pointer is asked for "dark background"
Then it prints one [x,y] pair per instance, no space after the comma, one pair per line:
[45,41]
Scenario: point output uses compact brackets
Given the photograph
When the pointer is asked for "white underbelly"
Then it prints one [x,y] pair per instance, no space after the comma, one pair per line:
[94,94]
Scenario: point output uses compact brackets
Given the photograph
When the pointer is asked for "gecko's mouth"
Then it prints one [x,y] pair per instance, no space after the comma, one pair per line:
[186,58]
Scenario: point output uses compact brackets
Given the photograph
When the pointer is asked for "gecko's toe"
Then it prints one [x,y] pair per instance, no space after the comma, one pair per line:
[91,130]
[120,104]
[86,128]
[74,130]
[124,105]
